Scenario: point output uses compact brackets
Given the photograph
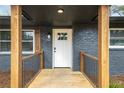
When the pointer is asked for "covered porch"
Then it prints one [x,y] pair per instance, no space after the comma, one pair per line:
[80,73]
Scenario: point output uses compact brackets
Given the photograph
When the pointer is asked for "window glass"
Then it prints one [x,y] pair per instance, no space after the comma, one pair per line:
[4,35]
[117,38]
[5,46]
[27,35]
[27,46]
[27,41]
[117,33]
[117,42]
[62,36]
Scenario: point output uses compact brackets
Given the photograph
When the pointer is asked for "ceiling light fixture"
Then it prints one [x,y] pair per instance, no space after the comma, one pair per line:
[60,11]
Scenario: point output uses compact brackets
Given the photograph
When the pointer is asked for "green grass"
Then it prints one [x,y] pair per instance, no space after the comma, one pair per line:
[115,84]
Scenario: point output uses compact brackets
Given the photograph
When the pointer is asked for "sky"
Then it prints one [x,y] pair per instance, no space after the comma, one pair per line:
[4,10]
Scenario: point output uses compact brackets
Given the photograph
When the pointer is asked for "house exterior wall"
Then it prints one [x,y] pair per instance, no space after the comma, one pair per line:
[28,65]
[47,46]
[85,37]
[116,61]
[4,63]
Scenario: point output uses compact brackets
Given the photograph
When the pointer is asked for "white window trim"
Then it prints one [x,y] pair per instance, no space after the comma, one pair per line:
[24,52]
[115,47]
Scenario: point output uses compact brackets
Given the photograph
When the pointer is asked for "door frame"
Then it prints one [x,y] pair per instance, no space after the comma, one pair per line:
[53,38]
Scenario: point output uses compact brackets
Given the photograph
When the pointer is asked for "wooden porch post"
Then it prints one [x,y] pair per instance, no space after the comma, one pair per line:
[103,46]
[16,46]
[37,40]
[81,61]
[38,47]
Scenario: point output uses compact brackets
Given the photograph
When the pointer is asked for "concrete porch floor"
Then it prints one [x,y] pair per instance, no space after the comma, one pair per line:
[60,78]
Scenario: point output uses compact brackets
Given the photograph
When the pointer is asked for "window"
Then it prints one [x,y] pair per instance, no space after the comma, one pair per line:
[62,36]
[117,38]
[27,41]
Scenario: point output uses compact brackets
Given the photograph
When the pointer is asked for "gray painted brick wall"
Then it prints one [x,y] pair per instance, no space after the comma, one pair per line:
[85,37]
[116,61]
[5,63]
[28,64]
[47,46]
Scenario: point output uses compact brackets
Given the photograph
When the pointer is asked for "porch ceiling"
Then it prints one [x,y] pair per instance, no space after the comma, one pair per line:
[47,14]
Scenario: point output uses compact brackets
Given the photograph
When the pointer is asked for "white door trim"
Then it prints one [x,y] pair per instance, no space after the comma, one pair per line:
[53,42]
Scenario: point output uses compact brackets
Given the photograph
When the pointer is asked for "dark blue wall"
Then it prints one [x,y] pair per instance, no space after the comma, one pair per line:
[116,61]
[47,46]
[84,38]
[4,62]
[29,64]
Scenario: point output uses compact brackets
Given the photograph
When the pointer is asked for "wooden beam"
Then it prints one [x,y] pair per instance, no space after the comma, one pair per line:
[42,60]
[37,40]
[81,62]
[16,46]
[91,57]
[103,46]
[38,47]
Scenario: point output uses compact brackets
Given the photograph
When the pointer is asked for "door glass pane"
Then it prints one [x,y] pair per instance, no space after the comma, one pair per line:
[4,46]
[62,36]
[27,46]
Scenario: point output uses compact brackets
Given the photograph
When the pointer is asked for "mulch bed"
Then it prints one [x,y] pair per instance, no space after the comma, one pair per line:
[118,78]
[5,78]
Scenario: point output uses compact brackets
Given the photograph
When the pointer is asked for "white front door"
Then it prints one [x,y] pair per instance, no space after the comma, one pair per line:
[62,48]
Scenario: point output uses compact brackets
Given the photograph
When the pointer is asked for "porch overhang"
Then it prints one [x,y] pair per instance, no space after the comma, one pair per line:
[47,15]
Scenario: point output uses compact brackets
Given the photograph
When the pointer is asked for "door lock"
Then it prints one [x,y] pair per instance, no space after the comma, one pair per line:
[54,49]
